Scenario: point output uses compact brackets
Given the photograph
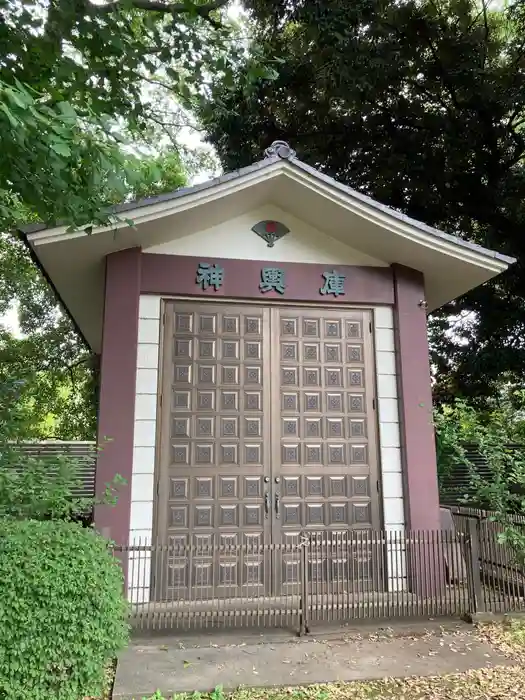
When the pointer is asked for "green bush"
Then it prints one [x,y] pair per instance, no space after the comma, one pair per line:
[62,613]
[38,487]
[490,432]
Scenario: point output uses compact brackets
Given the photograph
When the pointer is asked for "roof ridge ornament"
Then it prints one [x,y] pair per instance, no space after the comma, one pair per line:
[280,149]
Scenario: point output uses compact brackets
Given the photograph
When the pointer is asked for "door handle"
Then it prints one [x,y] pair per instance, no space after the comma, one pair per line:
[277,503]
[266,504]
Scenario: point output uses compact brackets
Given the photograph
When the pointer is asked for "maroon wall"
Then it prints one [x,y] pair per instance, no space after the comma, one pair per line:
[117,389]
[417,430]
[174,275]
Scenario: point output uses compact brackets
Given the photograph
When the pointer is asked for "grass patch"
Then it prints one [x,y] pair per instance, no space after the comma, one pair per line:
[500,683]
[508,637]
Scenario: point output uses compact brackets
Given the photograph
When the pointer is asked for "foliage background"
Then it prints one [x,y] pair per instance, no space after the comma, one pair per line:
[88,116]
[421,105]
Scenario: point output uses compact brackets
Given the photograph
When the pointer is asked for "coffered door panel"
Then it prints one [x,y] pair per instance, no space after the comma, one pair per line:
[323,432]
[215,450]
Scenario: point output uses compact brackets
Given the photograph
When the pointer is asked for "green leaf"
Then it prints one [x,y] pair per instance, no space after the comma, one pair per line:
[18,97]
[67,110]
[61,148]
[85,619]
[14,123]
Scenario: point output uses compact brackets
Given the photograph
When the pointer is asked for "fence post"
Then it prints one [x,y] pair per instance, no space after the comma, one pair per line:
[475,592]
[304,625]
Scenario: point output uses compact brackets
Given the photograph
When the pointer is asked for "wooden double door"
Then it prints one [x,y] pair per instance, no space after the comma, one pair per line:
[267,431]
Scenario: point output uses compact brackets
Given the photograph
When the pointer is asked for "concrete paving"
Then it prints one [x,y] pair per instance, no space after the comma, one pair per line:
[201,662]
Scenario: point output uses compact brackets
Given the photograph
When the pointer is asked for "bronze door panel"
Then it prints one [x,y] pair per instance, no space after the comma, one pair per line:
[215,442]
[324,463]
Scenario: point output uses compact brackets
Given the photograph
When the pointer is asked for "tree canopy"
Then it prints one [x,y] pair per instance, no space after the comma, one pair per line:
[79,84]
[59,375]
[421,105]
[75,76]
[94,54]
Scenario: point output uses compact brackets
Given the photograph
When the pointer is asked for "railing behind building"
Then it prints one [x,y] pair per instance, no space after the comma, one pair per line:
[501,565]
[456,484]
[84,454]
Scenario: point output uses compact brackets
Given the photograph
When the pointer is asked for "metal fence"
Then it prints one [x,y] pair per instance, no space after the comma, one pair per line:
[323,577]
[84,454]
[501,568]
[468,512]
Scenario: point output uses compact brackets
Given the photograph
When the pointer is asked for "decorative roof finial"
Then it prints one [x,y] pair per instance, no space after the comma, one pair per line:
[281,149]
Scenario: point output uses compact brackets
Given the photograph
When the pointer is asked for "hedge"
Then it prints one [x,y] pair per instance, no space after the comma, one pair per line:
[62,613]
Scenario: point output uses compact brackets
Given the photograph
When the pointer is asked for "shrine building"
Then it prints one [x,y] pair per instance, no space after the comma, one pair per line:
[264,363]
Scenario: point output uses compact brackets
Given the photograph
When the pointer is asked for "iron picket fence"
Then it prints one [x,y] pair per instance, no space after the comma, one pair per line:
[501,566]
[318,578]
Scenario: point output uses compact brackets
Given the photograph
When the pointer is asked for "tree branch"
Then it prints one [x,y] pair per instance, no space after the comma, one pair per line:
[519,149]
[165,128]
[174,8]
[514,114]
[437,61]
[161,84]
[486,24]
[82,360]
[443,72]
